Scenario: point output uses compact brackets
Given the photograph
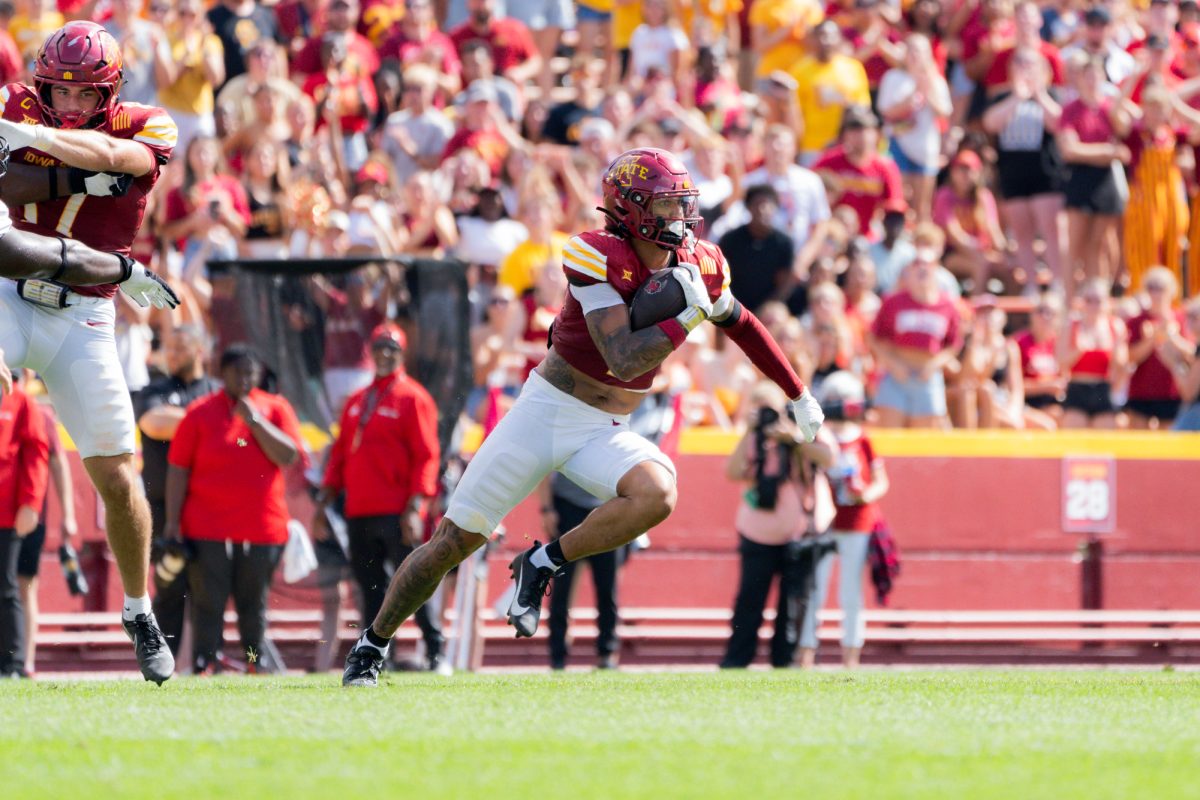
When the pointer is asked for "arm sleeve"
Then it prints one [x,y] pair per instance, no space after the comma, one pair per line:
[595,297]
[750,335]
[187,440]
[34,458]
[422,441]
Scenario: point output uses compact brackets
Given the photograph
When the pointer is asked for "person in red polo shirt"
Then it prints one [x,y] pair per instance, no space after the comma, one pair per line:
[225,498]
[513,50]
[385,461]
[24,472]
[1158,348]
[855,174]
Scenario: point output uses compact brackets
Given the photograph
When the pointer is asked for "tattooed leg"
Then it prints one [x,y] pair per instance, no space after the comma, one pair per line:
[421,573]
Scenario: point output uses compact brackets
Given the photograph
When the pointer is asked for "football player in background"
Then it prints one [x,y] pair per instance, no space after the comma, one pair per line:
[88,162]
[573,413]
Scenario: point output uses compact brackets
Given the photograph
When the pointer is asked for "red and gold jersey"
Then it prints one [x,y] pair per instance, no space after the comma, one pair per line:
[104,223]
[597,257]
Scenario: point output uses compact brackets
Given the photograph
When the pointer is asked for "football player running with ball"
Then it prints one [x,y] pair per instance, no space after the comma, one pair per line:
[573,412]
[81,166]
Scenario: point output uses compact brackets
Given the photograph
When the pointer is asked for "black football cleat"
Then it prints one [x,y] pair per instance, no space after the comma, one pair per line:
[363,666]
[153,655]
[533,583]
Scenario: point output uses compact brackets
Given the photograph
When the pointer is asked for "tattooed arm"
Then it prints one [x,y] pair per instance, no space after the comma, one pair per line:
[628,353]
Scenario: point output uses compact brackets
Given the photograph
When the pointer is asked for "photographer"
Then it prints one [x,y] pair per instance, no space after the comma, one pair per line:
[770,457]
[858,481]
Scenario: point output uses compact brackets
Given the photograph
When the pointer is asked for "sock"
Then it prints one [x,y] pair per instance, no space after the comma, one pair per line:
[134,606]
[372,639]
[549,556]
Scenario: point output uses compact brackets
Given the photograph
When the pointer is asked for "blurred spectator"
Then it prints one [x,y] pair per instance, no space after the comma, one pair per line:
[415,136]
[827,333]
[208,212]
[226,498]
[240,24]
[771,458]
[858,480]
[160,408]
[966,210]
[760,255]
[914,101]
[12,65]
[546,21]
[512,48]
[829,83]
[1156,217]
[1188,378]
[1044,382]
[1158,350]
[914,337]
[29,560]
[1027,27]
[1028,171]
[343,90]
[1089,137]
[145,52]
[385,462]
[992,393]
[483,128]
[855,174]
[525,262]
[1097,41]
[417,41]
[894,251]
[1092,347]
[564,122]
[626,16]
[188,89]
[298,21]
[352,310]
[241,93]
[32,25]
[593,24]
[657,45]
[24,469]
[479,67]
[432,231]
[270,209]
[488,235]
[779,31]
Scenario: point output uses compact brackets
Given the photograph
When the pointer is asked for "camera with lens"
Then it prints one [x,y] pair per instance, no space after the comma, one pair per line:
[768,476]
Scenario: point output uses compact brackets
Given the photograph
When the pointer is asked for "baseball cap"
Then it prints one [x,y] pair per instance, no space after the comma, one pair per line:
[372,171]
[1097,15]
[1157,41]
[857,117]
[480,91]
[389,334]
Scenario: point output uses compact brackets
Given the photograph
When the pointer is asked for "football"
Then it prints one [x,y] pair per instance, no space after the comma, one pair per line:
[660,297]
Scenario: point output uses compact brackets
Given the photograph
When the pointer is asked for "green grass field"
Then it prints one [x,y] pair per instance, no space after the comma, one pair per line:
[872,734]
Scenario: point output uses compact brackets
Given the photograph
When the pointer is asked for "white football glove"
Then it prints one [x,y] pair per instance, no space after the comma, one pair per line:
[699,306]
[147,289]
[19,135]
[808,414]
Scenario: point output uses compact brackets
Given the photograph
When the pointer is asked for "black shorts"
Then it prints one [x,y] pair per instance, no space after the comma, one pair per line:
[1040,401]
[1090,398]
[1021,174]
[1094,190]
[31,552]
[1165,410]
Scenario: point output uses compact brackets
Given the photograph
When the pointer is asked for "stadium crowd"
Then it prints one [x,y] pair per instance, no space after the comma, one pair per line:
[981,209]
[987,212]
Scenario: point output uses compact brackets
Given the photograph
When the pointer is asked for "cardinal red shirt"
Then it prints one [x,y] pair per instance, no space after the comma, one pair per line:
[1090,123]
[234,491]
[410,51]
[508,39]
[997,74]
[24,456]
[104,223]
[488,142]
[866,188]
[1152,379]
[848,477]
[905,322]
[1039,360]
[387,449]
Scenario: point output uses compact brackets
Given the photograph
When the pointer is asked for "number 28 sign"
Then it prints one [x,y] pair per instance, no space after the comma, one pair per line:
[1089,494]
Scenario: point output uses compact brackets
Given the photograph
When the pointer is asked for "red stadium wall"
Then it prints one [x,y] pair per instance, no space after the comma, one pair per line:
[978,517]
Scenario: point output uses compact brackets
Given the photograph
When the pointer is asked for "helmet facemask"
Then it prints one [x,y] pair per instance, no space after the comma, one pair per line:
[667,219]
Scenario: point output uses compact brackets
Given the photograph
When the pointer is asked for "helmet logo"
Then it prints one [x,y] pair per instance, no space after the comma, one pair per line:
[67,76]
[627,169]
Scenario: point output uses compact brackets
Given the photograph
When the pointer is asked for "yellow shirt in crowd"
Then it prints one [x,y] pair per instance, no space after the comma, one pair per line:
[192,93]
[824,91]
[519,268]
[626,16]
[715,12]
[774,15]
[30,34]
